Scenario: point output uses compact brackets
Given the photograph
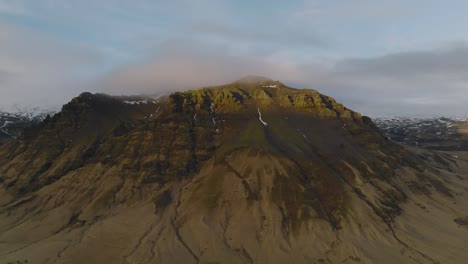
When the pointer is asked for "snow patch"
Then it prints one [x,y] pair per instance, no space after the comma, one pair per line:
[302,133]
[260,117]
[212,113]
[136,102]
[6,123]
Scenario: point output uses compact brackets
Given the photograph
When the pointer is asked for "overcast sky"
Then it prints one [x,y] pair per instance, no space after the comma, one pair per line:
[377,57]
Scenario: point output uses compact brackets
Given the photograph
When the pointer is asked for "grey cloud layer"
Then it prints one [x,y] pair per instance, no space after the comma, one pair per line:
[271,35]
[452,60]
[429,82]
[422,82]
[35,69]
[183,67]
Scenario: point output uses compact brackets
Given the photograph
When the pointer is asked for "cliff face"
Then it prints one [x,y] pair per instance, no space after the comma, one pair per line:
[252,171]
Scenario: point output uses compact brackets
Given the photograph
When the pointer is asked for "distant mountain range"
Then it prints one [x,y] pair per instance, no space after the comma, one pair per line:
[12,125]
[438,133]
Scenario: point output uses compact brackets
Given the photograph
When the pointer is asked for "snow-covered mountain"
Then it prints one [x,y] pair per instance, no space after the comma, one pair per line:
[440,133]
[12,124]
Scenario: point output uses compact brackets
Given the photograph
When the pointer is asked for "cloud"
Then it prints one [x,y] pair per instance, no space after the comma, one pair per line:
[451,61]
[276,35]
[5,75]
[24,46]
[119,47]
[41,70]
[180,66]
[431,82]
[12,7]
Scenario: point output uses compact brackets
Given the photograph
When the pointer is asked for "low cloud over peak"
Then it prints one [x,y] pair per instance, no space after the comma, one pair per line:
[183,67]
[430,82]
[357,52]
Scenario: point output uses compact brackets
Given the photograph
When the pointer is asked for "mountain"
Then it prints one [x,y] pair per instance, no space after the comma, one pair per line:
[438,133]
[248,172]
[12,124]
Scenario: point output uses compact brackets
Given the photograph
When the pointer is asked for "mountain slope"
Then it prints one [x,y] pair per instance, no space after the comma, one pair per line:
[249,172]
[4,138]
